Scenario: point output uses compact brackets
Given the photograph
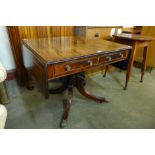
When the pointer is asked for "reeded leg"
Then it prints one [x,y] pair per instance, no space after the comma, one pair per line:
[143,63]
[79,85]
[130,65]
[106,69]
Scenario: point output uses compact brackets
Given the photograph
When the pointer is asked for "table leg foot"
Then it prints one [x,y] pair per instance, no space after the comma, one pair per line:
[79,82]
[80,87]
[90,96]
[143,63]
[130,64]
[63,124]
[67,104]
[126,82]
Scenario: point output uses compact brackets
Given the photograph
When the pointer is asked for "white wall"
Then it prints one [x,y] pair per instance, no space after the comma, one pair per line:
[6,57]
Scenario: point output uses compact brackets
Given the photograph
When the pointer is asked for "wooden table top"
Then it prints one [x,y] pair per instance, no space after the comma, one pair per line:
[57,49]
[134,37]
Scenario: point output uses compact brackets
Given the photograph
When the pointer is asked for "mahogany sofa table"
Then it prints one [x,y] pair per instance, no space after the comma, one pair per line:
[67,59]
[136,41]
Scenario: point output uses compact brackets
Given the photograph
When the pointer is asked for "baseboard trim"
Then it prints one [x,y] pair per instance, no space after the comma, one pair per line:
[11,74]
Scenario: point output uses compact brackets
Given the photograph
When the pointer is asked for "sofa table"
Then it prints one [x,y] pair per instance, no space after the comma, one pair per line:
[67,59]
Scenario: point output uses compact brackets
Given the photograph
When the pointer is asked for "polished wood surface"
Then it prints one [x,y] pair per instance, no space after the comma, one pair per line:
[132,31]
[98,32]
[77,81]
[15,42]
[67,58]
[57,49]
[147,31]
[135,37]
[45,31]
[102,32]
[69,55]
[136,41]
[17,33]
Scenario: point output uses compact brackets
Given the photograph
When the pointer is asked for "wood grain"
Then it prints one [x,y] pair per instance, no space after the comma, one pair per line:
[135,37]
[58,57]
[136,41]
[17,33]
[14,37]
[45,31]
[148,31]
[59,49]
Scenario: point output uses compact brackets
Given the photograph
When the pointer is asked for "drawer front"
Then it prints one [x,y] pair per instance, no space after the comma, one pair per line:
[74,66]
[113,57]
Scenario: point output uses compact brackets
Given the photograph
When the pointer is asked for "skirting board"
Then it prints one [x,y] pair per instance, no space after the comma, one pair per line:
[11,74]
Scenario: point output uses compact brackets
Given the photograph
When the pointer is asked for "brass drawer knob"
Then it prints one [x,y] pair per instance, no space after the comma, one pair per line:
[109,58]
[121,54]
[90,62]
[68,68]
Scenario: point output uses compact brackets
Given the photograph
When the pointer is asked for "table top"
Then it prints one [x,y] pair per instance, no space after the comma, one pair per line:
[136,37]
[57,49]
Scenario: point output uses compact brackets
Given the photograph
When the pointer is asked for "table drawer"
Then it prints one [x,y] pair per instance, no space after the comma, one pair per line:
[74,66]
[113,57]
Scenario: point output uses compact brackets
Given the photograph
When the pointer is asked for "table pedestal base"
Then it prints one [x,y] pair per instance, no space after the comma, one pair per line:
[69,82]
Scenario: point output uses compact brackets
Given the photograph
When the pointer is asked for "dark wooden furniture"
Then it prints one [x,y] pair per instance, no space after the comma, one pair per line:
[136,41]
[67,58]
[15,42]
[132,31]
[17,33]
[102,32]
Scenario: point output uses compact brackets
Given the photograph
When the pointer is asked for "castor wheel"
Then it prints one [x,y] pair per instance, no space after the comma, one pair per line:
[103,100]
